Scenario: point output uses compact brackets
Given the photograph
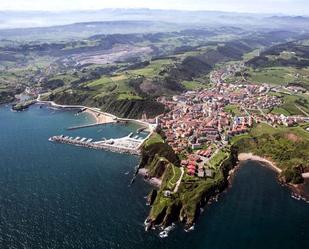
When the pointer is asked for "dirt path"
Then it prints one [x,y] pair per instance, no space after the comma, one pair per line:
[179,180]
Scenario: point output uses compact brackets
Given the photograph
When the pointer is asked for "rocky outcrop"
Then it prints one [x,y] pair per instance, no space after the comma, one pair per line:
[22,106]
[152,196]
[150,155]
[184,205]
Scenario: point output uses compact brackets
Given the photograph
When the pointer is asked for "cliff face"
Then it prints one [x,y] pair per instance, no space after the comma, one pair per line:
[155,149]
[22,106]
[170,203]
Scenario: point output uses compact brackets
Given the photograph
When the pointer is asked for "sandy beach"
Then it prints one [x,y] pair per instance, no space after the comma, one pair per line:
[250,156]
[101,118]
[298,190]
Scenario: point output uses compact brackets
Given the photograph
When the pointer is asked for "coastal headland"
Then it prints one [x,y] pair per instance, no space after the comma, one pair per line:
[205,137]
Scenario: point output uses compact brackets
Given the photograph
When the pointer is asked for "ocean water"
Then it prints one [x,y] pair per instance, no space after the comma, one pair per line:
[62,196]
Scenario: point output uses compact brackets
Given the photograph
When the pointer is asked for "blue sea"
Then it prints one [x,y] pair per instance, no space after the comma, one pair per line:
[61,196]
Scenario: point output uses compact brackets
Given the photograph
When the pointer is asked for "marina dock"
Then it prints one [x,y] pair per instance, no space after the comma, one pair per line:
[126,144]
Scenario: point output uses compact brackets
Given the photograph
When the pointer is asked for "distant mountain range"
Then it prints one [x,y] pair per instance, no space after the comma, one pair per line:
[26,19]
[81,24]
[85,29]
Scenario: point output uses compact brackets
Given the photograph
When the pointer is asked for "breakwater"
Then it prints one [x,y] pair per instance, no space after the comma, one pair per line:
[87,126]
[120,145]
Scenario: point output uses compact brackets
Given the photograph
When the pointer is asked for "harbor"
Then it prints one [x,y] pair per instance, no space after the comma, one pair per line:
[101,118]
[88,125]
[130,144]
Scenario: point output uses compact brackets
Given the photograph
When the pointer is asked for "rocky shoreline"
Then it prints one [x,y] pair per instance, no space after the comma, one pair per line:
[187,203]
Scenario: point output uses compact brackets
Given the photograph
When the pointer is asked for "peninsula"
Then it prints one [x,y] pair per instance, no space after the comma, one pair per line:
[204,136]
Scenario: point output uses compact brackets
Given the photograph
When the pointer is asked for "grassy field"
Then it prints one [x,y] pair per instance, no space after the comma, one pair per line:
[154,138]
[233,109]
[160,203]
[66,78]
[275,75]
[237,138]
[117,84]
[261,129]
[217,159]
[280,110]
[251,55]
[102,82]
[153,69]
[193,85]
[293,105]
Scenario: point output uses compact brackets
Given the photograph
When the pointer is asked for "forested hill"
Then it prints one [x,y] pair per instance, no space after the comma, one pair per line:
[295,54]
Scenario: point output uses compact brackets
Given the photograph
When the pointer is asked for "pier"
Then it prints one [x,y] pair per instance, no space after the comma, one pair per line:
[87,126]
[126,144]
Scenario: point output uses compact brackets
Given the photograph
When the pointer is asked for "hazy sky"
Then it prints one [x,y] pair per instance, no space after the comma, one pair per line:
[264,6]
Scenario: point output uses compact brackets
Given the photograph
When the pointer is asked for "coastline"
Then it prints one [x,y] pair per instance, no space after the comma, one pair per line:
[155,182]
[250,156]
[99,117]
[298,191]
